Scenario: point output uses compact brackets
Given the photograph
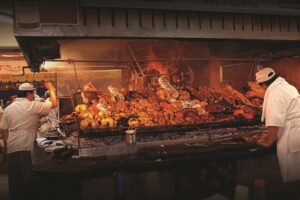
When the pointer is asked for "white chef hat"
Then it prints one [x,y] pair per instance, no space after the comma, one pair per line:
[264,75]
[26,87]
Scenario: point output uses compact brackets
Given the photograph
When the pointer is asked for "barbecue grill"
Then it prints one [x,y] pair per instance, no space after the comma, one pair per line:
[111,141]
[211,36]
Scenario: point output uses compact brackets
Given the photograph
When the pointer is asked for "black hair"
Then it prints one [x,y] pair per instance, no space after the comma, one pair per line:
[271,80]
[23,93]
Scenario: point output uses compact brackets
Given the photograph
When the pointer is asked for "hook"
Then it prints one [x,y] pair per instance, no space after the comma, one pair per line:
[23,73]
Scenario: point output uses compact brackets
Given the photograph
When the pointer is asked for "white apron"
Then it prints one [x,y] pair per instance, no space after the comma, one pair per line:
[288,145]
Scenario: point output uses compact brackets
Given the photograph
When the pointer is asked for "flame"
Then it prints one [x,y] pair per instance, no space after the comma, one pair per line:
[155,65]
[158,66]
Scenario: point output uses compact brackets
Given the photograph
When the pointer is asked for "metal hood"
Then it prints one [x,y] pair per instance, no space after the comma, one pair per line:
[39,24]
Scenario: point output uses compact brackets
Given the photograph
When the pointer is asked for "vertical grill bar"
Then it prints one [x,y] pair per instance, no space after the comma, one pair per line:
[200,20]
[233,22]
[98,17]
[188,21]
[112,17]
[84,16]
[164,19]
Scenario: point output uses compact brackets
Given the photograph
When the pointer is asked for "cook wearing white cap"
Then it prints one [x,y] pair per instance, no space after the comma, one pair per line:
[26,90]
[19,126]
[281,114]
[264,75]
[26,87]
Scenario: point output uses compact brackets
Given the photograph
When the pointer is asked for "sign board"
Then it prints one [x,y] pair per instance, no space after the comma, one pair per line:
[8,68]
[28,77]
[11,67]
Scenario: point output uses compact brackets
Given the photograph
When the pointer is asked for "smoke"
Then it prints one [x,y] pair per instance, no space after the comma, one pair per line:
[91,49]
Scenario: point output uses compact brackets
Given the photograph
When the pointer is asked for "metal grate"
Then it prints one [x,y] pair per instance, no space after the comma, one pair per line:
[107,132]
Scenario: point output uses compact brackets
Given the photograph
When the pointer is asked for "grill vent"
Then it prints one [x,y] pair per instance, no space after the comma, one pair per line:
[157,23]
[149,23]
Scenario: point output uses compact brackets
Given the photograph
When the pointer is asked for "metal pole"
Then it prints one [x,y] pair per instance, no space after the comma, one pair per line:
[167,60]
[135,60]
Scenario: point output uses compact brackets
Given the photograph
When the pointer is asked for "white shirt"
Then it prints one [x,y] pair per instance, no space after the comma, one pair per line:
[281,108]
[21,119]
[280,103]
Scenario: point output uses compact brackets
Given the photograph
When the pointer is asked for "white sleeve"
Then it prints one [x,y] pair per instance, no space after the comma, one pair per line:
[43,108]
[4,124]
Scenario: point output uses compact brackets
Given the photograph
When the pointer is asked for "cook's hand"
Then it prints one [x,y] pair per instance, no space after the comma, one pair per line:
[266,141]
[48,85]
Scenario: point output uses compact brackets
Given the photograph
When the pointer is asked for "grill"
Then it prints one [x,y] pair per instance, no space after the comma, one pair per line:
[111,141]
[102,132]
[184,25]
[182,141]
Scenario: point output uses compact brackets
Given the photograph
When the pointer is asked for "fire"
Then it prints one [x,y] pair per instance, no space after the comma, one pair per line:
[158,66]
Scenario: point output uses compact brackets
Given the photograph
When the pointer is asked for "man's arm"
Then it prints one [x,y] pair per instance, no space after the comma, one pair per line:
[50,87]
[270,137]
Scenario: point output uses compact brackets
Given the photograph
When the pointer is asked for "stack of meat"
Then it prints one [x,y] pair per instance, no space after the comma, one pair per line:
[255,94]
[163,106]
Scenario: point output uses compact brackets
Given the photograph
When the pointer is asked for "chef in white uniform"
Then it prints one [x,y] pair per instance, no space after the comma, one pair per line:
[281,113]
[19,127]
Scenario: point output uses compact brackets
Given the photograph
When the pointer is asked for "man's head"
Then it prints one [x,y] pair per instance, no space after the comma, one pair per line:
[26,90]
[265,77]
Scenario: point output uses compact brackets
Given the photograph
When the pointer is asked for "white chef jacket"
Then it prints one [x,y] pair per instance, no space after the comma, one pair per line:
[281,108]
[21,119]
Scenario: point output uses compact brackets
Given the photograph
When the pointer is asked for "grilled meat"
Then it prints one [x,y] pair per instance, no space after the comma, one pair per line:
[150,108]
